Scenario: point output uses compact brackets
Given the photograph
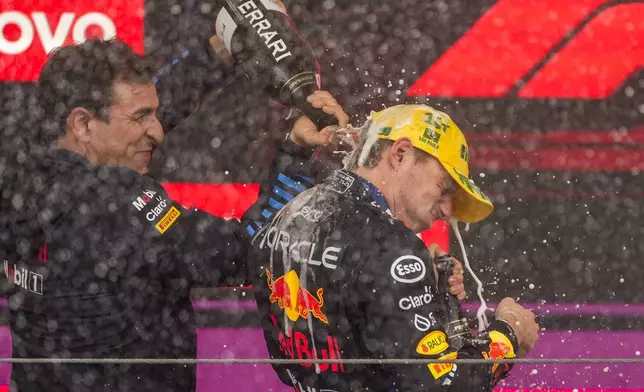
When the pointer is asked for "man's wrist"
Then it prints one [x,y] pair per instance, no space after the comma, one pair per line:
[291,137]
[508,323]
[295,149]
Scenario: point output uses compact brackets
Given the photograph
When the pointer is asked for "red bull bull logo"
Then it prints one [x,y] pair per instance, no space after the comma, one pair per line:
[293,299]
[500,348]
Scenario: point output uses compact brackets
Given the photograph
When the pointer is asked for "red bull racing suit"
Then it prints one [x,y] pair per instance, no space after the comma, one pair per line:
[336,276]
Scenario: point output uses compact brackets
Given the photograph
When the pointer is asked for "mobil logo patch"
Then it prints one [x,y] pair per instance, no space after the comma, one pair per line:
[408,269]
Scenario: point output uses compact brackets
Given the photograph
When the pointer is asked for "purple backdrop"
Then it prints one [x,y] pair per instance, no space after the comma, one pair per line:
[249,343]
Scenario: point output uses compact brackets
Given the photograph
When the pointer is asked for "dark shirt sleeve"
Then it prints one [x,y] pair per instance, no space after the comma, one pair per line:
[404,319]
[213,251]
[197,248]
[291,173]
[184,82]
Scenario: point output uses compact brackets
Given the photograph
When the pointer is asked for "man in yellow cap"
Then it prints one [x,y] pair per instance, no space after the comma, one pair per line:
[340,273]
[429,134]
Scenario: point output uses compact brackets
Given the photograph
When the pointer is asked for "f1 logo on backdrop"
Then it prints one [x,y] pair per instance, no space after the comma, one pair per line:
[582,49]
[30,29]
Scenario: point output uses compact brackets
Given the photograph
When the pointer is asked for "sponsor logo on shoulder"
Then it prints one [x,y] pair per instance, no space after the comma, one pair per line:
[144,199]
[167,220]
[341,182]
[310,214]
[158,209]
[162,208]
[408,269]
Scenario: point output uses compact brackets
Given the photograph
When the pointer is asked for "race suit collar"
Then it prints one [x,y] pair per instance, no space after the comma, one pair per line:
[358,188]
[68,155]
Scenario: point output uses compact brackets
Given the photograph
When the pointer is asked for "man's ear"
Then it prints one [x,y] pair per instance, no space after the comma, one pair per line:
[399,151]
[78,123]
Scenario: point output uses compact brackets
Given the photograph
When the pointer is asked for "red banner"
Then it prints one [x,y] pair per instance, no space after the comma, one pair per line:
[29,30]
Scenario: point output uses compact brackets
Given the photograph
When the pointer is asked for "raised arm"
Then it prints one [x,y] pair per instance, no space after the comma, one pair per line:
[293,171]
[404,315]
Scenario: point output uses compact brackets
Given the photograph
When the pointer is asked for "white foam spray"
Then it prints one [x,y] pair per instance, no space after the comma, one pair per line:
[371,139]
[480,314]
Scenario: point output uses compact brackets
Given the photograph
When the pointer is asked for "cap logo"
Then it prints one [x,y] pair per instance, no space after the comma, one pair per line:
[465,155]
[473,188]
[385,131]
[437,122]
[430,137]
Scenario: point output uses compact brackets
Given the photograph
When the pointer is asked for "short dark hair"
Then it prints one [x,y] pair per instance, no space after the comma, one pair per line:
[375,154]
[82,75]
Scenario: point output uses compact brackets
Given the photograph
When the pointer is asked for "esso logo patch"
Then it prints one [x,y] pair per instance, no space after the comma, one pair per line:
[29,30]
[408,269]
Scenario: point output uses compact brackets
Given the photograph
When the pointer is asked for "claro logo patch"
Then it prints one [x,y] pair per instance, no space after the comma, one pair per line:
[408,269]
[29,30]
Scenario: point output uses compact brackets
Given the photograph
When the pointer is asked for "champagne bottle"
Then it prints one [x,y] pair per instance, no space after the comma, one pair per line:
[456,328]
[260,35]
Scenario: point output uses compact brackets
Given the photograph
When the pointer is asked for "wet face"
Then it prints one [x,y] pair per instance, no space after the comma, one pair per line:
[133,131]
[425,193]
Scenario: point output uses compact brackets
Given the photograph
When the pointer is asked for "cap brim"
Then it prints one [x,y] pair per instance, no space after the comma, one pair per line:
[469,205]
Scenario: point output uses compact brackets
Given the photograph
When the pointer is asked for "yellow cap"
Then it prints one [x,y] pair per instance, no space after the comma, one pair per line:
[435,133]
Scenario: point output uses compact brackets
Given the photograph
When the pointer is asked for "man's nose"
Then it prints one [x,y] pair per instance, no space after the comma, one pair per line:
[446,207]
[155,132]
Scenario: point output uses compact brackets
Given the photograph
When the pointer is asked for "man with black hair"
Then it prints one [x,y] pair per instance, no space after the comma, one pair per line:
[99,260]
